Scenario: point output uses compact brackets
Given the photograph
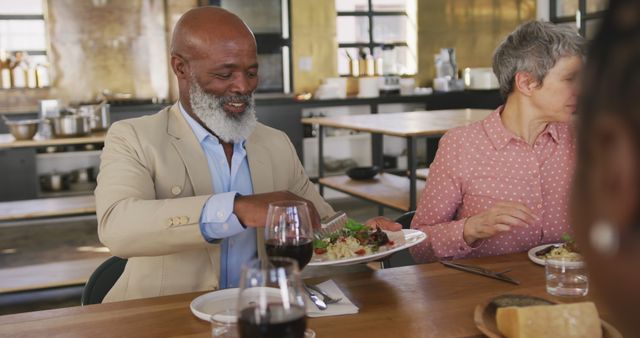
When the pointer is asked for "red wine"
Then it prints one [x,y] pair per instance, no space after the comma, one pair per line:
[276,323]
[300,249]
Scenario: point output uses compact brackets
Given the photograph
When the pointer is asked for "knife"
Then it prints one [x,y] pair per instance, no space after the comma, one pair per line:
[481,271]
[320,304]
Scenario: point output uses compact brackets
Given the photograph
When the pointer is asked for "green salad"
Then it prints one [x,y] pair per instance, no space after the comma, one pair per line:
[364,235]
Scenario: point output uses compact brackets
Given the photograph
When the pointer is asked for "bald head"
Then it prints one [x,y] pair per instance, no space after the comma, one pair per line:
[203,27]
[214,57]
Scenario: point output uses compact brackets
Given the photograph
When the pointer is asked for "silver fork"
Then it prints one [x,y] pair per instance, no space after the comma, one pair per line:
[331,224]
[327,299]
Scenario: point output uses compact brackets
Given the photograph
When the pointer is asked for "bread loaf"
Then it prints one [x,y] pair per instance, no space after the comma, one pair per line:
[550,321]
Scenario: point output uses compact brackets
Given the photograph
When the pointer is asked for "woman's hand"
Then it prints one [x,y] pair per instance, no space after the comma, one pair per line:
[384,224]
[501,217]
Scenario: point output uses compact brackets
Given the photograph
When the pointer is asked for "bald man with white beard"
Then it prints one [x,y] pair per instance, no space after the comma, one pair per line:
[183,194]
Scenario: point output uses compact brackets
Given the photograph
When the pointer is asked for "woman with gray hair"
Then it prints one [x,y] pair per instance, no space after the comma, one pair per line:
[501,185]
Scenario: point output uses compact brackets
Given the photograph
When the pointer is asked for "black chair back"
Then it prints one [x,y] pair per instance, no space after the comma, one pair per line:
[403,257]
[102,280]
[405,219]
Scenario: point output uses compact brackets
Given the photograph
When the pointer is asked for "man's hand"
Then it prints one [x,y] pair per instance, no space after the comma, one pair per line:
[251,210]
[501,217]
[384,224]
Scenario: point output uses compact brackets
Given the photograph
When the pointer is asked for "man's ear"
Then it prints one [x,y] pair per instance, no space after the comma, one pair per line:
[179,67]
[525,83]
[616,178]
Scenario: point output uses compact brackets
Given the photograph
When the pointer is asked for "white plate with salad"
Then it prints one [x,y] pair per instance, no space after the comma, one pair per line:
[566,250]
[357,243]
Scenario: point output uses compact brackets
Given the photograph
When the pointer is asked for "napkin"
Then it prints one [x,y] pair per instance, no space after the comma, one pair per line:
[343,307]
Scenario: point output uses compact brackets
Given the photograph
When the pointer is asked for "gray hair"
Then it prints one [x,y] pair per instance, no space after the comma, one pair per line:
[534,47]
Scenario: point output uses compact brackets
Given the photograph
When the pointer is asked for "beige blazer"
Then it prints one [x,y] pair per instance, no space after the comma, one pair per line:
[153,183]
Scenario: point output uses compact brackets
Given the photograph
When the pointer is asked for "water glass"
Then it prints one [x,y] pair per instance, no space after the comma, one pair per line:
[566,277]
[223,324]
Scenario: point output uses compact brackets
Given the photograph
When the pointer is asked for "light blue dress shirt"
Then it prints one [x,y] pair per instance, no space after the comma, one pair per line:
[218,220]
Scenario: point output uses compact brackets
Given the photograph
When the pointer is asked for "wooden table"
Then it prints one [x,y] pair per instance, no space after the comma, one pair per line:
[408,125]
[414,301]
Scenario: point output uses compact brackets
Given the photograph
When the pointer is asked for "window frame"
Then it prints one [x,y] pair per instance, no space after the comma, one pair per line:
[16,17]
[584,16]
[370,14]
[275,43]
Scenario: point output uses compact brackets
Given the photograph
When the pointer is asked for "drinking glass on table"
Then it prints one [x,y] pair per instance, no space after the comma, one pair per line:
[288,232]
[223,324]
[566,277]
[270,301]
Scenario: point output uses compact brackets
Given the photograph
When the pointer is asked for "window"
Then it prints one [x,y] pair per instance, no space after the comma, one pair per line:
[22,29]
[368,25]
[585,15]
[269,21]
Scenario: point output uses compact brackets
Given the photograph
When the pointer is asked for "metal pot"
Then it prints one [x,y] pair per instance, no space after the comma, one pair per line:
[23,129]
[99,115]
[82,175]
[70,125]
[54,182]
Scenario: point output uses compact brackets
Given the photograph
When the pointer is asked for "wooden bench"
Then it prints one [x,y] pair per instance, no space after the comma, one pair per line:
[50,275]
[47,207]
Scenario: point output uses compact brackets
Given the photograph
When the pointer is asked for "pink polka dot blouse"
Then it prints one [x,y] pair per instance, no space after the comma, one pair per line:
[484,163]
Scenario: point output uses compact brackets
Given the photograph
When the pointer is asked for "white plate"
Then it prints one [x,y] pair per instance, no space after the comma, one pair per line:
[411,238]
[532,253]
[538,260]
[213,302]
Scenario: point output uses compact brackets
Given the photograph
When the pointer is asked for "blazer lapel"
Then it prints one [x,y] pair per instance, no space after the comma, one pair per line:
[190,151]
[259,165]
[261,178]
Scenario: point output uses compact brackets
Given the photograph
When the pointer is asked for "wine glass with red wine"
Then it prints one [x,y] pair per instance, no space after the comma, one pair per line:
[270,301]
[288,232]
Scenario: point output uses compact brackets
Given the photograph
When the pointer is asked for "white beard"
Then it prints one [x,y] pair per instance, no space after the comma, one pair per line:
[229,128]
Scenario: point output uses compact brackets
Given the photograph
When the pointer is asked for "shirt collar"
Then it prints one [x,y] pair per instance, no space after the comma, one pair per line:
[200,132]
[500,136]
[496,131]
[552,129]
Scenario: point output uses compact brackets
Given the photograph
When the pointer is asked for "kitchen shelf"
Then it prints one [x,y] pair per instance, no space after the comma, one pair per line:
[47,207]
[65,162]
[8,141]
[64,193]
[49,275]
[68,155]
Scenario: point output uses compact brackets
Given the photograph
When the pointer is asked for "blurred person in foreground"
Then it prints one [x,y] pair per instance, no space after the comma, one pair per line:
[605,205]
[501,185]
[183,194]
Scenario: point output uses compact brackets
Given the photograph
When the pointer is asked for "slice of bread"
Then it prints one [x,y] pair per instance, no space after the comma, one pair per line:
[550,321]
